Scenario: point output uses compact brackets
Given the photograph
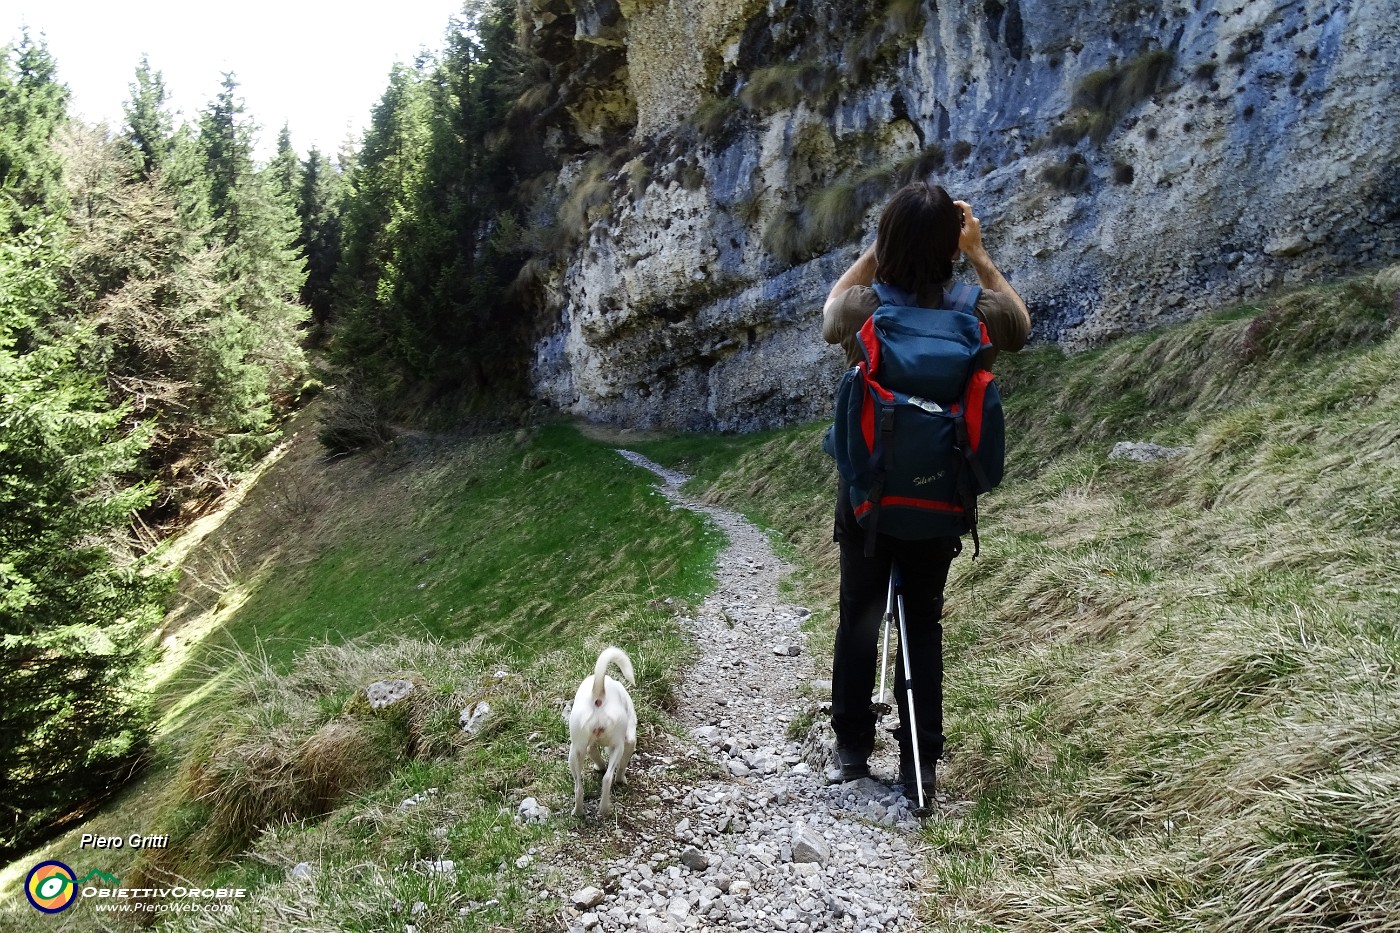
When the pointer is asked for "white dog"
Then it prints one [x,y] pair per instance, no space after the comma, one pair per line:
[602,716]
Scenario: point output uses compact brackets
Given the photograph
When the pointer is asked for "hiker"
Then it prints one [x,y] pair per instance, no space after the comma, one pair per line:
[921,233]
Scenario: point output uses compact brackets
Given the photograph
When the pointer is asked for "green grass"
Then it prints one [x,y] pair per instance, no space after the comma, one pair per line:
[492,569]
[1171,692]
[501,540]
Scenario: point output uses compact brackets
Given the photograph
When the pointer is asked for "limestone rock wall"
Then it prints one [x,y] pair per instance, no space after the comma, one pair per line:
[1134,163]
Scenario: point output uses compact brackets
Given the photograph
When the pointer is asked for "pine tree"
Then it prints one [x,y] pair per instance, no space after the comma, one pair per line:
[285,169]
[318,208]
[185,179]
[379,197]
[74,604]
[228,153]
[255,336]
[32,107]
[420,276]
[149,287]
[149,126]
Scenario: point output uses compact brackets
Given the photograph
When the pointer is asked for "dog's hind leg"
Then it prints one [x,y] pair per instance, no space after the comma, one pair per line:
[618,755]
[629,746]
[576,766]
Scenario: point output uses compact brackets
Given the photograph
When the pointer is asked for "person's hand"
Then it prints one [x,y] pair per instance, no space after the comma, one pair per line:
[970,239]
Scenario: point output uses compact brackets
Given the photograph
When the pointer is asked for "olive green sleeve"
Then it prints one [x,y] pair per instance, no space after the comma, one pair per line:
[1005,323]
[843,318]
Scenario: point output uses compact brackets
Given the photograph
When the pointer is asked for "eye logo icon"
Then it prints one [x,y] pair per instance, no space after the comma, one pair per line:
[51,887]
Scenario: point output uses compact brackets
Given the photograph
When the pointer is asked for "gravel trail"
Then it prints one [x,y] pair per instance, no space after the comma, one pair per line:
[772,844]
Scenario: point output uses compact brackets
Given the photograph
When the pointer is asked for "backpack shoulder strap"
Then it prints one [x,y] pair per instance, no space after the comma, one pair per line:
[960,297]
[891,295]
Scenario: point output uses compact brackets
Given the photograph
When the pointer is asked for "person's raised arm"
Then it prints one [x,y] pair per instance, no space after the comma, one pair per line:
[988,275]
[861,272]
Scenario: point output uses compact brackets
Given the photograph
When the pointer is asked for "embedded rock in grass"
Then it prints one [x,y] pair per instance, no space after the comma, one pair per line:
[1143,453]
[384,693]
[531,811]
[694,859]
[473,716]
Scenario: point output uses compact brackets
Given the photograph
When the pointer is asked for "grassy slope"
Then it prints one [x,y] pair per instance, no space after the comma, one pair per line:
[491,570]
[1172,687]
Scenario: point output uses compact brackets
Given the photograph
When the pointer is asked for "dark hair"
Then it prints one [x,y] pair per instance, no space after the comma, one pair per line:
[917,237]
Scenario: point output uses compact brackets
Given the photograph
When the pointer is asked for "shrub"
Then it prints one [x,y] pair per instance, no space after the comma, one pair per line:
[887,30]
[748,210]
[920,165]
[691,175]
[589,200]
[352,420]
[713,115]
[638,175]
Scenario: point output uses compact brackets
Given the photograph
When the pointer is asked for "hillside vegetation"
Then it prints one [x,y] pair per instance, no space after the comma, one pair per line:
[487,570]
[1172,692]
[1172,687]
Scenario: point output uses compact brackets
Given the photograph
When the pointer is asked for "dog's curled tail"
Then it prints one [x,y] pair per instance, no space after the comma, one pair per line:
[610,656]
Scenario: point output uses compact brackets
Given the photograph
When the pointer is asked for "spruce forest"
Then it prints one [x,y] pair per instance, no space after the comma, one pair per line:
[160,291]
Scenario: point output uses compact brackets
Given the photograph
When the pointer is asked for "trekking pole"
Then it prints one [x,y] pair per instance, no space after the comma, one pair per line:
[923,809]
[880,706]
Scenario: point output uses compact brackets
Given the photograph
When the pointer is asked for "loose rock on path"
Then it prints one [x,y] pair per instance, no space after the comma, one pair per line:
[772,845]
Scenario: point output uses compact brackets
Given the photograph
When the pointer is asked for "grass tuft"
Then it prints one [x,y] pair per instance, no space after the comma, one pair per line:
[1104,97]
[784,85]
[1071,176]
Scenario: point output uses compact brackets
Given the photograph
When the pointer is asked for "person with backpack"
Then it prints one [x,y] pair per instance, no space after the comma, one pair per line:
[921,233]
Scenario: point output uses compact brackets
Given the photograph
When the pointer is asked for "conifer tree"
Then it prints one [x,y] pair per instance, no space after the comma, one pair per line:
[228,153]
[379,196]
[185,179]
[256,338]
[420,275]
[318,208]
[149,125]
[285,169]
[149,286]
[74,604]
[33,104]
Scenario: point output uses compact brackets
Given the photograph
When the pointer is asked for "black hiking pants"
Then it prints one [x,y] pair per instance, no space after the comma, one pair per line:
[864,586]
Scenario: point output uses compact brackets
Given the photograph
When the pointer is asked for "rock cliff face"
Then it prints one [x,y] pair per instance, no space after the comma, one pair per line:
[1134,163]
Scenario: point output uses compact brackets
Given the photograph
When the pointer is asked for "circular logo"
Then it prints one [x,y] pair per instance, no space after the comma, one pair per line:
[51,887]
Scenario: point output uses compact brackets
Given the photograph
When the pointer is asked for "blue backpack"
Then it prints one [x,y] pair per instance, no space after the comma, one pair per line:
[919,432]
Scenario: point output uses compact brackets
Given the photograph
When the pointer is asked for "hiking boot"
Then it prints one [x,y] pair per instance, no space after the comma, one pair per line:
[853,762]
[909,778]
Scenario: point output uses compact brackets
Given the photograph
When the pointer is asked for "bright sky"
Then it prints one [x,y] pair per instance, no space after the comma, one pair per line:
[317,66]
